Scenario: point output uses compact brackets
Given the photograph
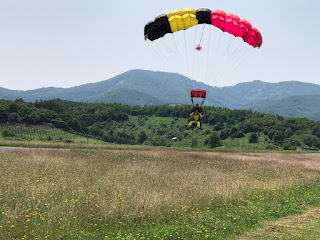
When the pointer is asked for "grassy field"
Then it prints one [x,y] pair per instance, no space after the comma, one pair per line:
[149,193]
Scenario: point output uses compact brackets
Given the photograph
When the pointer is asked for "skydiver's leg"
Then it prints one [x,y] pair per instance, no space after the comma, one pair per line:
[198,124]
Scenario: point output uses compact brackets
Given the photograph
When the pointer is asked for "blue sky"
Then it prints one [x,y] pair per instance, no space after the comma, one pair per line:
[64,43]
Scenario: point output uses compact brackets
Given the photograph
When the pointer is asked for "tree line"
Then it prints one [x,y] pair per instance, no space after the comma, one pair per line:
[96,119]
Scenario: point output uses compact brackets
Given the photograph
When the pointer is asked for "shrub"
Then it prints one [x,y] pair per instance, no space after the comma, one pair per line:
[214,140]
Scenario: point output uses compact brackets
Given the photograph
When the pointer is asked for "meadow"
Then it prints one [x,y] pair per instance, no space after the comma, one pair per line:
[149,193]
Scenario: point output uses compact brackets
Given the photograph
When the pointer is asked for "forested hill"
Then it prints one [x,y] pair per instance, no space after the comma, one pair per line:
[142,87]
[156,125]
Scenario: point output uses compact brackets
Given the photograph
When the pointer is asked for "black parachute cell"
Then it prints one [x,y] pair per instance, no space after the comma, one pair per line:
[204,15]
[157,28]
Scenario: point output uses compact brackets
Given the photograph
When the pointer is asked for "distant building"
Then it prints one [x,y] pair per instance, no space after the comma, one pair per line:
[175,139]
[305,149]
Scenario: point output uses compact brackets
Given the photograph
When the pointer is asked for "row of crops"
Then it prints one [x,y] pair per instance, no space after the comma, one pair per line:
[36,133]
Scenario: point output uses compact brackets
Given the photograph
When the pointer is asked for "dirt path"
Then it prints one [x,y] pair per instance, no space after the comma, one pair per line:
[304,226]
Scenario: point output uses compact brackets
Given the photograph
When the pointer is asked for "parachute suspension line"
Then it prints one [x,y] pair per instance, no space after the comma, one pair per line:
[186,51]
[179,55]
[193,55]
[202,33]
[180,59]
[238,53]
[203,99]
[207,61]
[243,57]
[159,52]
[218,51]
[230,51]
[171,51]
[228,54]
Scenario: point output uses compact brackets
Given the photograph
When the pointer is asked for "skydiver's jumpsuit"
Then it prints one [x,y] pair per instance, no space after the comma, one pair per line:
[196,119]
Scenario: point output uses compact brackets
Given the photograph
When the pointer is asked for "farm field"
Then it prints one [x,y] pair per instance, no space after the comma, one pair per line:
[41,133]
[150,193]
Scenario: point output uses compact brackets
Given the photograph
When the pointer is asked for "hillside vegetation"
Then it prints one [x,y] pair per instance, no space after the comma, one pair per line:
[156,125]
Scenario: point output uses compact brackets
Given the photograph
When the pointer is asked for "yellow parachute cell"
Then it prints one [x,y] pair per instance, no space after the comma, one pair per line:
[182,20]
[189,17]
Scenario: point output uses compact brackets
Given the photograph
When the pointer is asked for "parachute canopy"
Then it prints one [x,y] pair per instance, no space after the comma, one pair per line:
[198,94]
[181,20]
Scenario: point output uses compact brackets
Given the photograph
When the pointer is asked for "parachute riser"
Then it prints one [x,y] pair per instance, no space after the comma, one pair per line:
[201,102]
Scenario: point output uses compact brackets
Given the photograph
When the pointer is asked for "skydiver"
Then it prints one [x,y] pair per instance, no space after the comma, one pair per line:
[197,107]
[196,119]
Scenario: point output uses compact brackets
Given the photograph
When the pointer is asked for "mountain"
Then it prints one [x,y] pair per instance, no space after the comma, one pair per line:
[295,106]
[136,87]
[142,87]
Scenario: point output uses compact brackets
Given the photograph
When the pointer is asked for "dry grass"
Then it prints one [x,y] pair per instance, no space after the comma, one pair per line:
[61,187]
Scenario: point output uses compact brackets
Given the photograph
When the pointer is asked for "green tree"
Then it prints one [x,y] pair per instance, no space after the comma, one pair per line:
[253,138]
[142,137]
[3,115]
[224,134]
[95,130]
[278,137]
[13,117]
[214,140]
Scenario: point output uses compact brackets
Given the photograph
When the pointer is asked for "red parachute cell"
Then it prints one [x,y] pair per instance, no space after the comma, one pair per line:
[258,37]
[254,38]
[218,18]
[244,28]
[232,22]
